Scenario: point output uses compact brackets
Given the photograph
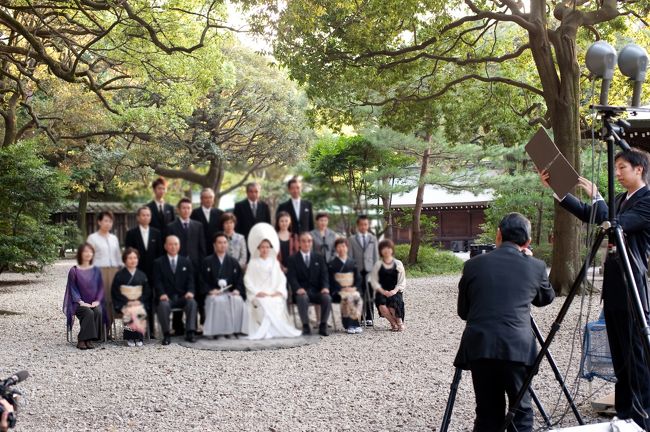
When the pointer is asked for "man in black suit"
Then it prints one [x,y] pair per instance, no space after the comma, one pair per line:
[173,285]
[302,215]
[162,214]
[498,345]
[309,282]
[208,216]
[633,214]
[251,210]
[149,244]
[192,238]
[189,232]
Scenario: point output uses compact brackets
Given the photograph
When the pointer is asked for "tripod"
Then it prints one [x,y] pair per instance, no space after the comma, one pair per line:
[617,246]
[558,376]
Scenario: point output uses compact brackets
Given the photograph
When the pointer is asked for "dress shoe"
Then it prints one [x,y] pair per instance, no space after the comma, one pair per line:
[82,345]
[322,330]
[166,339]
[306,330]
[89,345]
[190,337]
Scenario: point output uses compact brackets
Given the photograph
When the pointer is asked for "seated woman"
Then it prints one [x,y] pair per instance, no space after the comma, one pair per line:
[345,283]
[129,291]
[266,287]
[84,298]
[388,280]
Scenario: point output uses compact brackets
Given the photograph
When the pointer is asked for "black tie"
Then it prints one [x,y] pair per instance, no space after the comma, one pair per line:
[160,208]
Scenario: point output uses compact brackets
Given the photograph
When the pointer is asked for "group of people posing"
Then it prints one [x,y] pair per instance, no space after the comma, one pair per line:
[230,274]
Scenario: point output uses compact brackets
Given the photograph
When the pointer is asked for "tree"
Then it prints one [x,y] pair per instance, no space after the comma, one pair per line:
[29,192]
[388,53]
[254,121]
[119,51]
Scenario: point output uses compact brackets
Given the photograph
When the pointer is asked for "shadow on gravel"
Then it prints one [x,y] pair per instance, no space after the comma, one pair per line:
[10,283]
[6,312]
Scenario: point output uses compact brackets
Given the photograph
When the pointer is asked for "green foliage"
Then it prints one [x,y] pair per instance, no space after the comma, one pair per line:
[431,261]
[29,192]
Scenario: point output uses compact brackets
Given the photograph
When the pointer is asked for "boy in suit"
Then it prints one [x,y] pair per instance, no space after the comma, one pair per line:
[363,249]
[162,214]
[300,210]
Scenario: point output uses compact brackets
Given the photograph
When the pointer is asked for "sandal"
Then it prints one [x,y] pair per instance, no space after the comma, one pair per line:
[394,328]
[82,345]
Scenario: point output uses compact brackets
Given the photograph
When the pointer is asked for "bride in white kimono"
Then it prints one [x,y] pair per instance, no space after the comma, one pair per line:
[266,287]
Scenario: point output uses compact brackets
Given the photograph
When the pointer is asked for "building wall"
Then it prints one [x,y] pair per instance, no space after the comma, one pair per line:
[454,225]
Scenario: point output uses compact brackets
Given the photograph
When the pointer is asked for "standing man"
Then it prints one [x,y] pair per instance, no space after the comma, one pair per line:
[173,285]
[324,237]
[162,214]
[208,216]
[302,216]
[633,214]
[149,244]
[251,210]
[363,249]
[190,233]
[494,297]
[309,281]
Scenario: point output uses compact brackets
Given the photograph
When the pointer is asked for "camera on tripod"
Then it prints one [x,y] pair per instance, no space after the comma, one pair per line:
[11,395]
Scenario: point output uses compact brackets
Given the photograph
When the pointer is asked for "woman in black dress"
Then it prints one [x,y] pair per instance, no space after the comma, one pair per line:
[289,243]
[388,279]
[130,292]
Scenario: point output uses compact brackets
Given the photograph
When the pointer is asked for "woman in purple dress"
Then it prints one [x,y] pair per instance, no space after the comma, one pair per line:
[84,298]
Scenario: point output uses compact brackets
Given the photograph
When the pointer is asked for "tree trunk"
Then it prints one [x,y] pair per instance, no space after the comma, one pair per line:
[82,222]
[388,216]
[416,233]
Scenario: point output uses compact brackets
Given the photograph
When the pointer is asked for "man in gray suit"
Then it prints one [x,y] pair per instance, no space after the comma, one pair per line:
[494,297]
[363,249]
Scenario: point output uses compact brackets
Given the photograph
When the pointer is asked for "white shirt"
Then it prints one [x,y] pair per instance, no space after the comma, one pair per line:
[206,212]
[221,258]
[305,257]
[296,206]
[107,250]
[363,239]
[172,259]
[161,205]
[629,195]
[144,232]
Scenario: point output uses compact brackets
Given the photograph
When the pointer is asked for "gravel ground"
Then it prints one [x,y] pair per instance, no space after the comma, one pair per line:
[376,381]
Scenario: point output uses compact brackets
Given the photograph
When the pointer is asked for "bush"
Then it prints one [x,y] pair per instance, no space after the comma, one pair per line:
[29,192]
[431,261]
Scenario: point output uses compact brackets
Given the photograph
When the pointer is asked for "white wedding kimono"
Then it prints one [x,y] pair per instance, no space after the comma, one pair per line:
[268,315]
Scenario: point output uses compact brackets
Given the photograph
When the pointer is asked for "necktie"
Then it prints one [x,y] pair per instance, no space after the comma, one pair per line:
[363,241]
[160,208]
[173,264]
[307,260]
[254,209]
[185,225]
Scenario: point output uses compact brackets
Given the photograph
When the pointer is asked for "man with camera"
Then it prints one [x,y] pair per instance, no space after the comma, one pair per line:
[498,345]
[7,410]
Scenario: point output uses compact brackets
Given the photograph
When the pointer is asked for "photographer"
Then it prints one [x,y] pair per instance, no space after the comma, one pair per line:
[498,345]
[633,214]
[7,409]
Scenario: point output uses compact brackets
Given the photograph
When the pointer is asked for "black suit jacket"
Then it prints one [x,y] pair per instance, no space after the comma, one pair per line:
[209,228]
[123,277]
[175,285]
[302,222]
[245,218]
[494,297]
[312,279]
[213,270]
[192,240]
[158,220]
[634,218]
[153,251]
